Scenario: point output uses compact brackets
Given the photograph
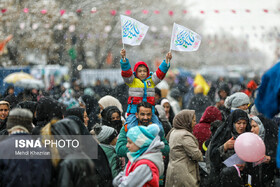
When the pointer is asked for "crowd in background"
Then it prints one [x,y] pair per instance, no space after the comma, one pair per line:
[210,125]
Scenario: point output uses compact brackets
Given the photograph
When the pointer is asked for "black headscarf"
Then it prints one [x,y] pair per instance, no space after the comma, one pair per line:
[48,108]
[30,105]
[224,133]
[78,111]
[92,109]
[107,115]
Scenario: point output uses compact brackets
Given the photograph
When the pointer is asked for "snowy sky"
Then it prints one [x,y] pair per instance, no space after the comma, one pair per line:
[254,24]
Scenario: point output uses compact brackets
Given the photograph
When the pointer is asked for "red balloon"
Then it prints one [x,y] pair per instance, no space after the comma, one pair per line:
[249,147]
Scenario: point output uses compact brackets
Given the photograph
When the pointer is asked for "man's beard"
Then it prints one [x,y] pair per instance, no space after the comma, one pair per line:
[145,123]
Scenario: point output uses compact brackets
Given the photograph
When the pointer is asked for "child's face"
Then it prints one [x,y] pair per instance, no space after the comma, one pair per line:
[132,147]
[141,72]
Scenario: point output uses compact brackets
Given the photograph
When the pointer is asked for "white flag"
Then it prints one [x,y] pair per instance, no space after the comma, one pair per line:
[184,39]
[133,31]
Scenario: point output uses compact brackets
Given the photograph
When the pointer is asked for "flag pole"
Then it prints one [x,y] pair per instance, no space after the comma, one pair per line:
[125,56]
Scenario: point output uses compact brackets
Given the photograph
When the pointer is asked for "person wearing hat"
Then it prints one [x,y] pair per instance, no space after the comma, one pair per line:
[107,136]
[238,100]
[145,163]
[28,172]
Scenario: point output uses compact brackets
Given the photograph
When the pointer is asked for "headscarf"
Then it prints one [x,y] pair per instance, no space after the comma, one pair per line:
[183,120]
[261,127]
[224,133]
[107,115]
[78,111]
[109,100]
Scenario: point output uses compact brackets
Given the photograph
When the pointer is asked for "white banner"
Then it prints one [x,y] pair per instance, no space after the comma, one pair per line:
[184,39]
[133,31]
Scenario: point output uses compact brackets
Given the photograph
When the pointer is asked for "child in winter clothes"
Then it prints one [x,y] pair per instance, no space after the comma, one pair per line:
[107,136]
[142,84]
[145,163]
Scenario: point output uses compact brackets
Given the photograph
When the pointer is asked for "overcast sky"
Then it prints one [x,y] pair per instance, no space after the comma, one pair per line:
[254,24]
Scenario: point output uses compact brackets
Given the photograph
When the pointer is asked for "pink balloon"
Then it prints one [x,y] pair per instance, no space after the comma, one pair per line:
[249,147]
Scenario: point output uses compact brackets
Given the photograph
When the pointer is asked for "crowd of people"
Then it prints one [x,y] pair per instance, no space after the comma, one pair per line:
[144,136]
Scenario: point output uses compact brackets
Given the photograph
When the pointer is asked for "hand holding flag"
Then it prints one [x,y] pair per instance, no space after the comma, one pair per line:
[168,57]
[123,54]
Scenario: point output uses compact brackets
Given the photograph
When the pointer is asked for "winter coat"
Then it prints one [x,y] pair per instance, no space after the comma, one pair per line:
[141,90]
[145,170]
[268,92]
[263,174]
[76,172]
[23,172]
[114,160]
[3,124]
[199,103]
[202,130]
[183,169]
[101,164]
[216,150]
[122,150]
[70,171]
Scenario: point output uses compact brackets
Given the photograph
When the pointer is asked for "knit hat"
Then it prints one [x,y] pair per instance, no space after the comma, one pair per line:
[237,99]
[143,136]
[105,134]
[21,118]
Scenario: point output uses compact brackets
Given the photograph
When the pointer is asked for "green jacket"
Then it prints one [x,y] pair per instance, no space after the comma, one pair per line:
[114,161]
[121,148]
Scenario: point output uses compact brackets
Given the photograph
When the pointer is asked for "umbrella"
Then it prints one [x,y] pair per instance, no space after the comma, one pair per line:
[14,77]
[30,84]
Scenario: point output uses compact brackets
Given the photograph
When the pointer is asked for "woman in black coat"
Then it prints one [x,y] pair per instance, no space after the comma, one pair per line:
[263,174]
[222,147]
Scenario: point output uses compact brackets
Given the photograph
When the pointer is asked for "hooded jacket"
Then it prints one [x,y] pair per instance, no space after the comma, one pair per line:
[141,90]
[145,170]
[202,130]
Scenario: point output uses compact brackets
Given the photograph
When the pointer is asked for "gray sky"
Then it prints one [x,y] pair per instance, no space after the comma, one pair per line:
[242,24]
